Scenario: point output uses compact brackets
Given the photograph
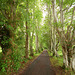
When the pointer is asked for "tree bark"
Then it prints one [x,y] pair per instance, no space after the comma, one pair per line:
[26,43]
[37,43]
[54,30]
[31,44]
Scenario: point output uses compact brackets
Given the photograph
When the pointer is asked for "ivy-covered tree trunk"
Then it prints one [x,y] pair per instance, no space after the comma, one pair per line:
[7,41]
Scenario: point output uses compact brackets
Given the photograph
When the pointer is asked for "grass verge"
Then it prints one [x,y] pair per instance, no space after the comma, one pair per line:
[57,63]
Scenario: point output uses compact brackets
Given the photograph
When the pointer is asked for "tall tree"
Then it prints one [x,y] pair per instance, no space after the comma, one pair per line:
[26,44]
[54,30]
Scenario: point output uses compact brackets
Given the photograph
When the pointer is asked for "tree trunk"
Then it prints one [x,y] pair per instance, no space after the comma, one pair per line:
[31,43]
[73,59]
[54,30]
[65,58]
[36,43]
[61,11]
[26,44]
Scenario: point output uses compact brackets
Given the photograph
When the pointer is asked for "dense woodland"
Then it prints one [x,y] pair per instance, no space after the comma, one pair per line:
[29,26]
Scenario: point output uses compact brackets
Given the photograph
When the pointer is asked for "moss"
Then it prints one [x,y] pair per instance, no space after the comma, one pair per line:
[60,53]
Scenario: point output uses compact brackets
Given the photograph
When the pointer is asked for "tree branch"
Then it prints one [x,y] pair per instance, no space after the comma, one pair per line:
[4,13]
[67,7]
[72,15]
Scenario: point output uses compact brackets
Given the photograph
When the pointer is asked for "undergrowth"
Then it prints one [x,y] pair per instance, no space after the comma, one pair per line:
[16,63]
[58,61]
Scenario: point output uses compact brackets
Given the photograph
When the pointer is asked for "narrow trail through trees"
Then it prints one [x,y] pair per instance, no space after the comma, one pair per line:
[40,66]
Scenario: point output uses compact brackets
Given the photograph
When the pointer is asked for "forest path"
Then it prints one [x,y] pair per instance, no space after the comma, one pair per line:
[40,66]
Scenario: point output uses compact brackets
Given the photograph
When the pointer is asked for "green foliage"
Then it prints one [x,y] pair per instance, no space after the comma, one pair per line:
[13,16]
[3,73]
[4,41]
[50,53]
[9,27]
[37,54]
[30,57]
[0,50]
[4,65]
[58,60]
[72,73]
[1,23]
[60,52]
[25,60]
[16,60]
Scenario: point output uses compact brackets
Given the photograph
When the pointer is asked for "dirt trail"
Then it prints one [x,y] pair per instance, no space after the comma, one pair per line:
[41,66]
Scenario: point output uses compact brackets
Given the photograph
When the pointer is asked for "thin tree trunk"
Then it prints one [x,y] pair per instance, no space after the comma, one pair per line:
[37,43]
[31,43]
[51,28]
[26,44]
[54,30]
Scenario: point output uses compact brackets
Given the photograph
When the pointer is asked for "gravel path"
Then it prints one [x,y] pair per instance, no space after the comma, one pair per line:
[40,66]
